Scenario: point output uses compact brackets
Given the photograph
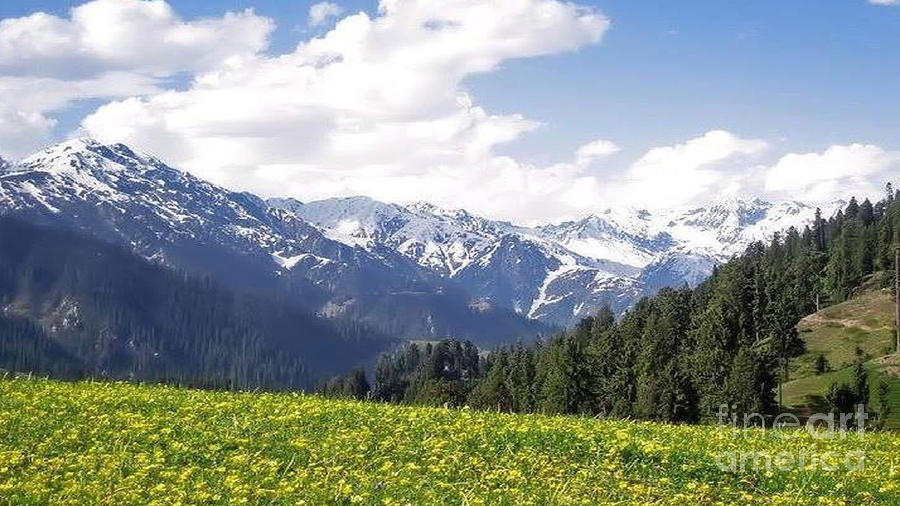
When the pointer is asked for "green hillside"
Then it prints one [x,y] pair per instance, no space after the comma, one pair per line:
[117,443]
[866,321]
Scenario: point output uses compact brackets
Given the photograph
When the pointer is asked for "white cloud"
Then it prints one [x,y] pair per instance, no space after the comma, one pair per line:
[595,150]
[322,11]
[106,49]
[374,106]
[26,102]
[885,2]
[839,171]
[21,129]
[133,35]
[694,155]
[669,176]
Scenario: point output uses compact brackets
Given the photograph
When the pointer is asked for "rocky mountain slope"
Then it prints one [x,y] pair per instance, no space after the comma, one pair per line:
[415,271]
[174,218]
[557,273]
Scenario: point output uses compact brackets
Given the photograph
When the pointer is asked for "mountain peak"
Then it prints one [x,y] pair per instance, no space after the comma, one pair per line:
[555,272]
[78,144]
[88,155]
[423,207]
[744,203]
[286,203]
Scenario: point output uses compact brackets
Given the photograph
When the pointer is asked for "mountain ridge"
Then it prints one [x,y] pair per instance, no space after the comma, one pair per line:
[174,218]
[622,254]
[341,254]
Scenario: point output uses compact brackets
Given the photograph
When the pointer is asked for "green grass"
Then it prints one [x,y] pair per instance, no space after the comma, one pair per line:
[117,443]
[865,322]
[807,393]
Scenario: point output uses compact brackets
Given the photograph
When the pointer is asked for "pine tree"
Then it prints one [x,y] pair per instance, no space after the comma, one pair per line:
[492,393]
[821,365]
[749,385]
[884,401]
[860,380]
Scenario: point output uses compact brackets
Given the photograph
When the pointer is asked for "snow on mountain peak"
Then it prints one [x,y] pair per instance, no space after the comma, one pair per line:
[87,154]
[422,206]
[427,208]
[556,272]
[86,169]
[442,240]
[623,235]
[70,147]
[634,246]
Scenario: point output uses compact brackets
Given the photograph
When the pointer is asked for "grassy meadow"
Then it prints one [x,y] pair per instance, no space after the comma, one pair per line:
[119,443]
[865,322]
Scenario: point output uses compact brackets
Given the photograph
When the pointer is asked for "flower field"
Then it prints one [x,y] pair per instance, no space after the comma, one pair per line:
[117,443]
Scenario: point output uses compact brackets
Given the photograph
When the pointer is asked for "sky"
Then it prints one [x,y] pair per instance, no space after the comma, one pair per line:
[527,110]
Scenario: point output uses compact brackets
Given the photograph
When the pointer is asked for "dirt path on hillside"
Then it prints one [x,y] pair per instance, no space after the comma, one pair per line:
[817,320]
[890,364]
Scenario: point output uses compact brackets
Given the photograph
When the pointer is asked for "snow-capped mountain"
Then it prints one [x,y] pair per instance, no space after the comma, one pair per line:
[628,236]
[520,268]
[562,272]
[440,240]
[411,270]
[172,217]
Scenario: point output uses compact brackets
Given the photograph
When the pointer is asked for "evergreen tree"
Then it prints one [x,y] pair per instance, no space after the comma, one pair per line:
[821,365]
[860,379]
[750,384]
[493,393]
[884,402]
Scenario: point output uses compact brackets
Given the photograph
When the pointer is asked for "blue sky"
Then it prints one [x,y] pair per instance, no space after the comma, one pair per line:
[814,73]
[804,76]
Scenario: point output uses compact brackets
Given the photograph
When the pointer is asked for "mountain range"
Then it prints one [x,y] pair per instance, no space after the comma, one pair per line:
[413,271]
[557,273]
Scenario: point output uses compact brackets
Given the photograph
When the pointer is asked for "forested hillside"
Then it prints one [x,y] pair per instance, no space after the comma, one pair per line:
[77,307]
[678,356]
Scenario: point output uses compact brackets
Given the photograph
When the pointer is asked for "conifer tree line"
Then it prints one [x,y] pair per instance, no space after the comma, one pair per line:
[73,307]
[674,357]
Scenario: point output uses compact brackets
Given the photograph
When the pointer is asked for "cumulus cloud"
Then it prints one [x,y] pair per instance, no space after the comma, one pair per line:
[601,148]
[106,49]
[134,35]
[374,106]
[322,11]
[839,171]
[885,2]
[21,129]
[26,103]
[668,176]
